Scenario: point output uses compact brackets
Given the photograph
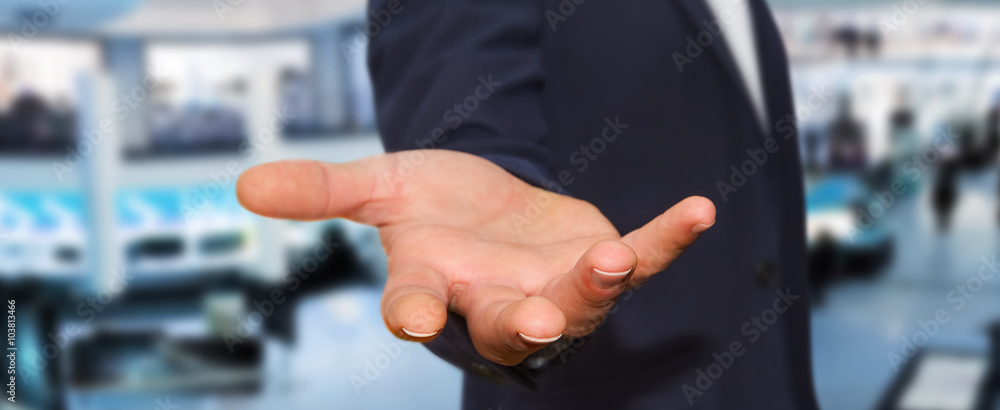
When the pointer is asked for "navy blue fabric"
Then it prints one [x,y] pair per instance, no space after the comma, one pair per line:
[588,99]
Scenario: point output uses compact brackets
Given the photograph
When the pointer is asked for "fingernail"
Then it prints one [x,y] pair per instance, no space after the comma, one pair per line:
[699,228]
[538,340]
[415,334]
[608,280]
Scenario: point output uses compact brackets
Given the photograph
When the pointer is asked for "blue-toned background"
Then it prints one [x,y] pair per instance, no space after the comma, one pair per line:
[140,282]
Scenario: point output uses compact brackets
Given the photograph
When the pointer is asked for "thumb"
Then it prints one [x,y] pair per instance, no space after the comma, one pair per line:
[311,190]
[661,240]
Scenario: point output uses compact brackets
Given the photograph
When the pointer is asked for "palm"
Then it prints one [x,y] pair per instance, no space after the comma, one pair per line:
[482,216]
[463,234]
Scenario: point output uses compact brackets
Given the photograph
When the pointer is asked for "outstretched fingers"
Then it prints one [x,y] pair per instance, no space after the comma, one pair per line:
[414,303]
[663,239]
[505,325]
[587,291]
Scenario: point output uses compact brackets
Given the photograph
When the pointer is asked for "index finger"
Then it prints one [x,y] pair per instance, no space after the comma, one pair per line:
[663,239]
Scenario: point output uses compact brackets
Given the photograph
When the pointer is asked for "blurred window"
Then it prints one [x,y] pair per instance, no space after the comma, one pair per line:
[207,92]
[38,93]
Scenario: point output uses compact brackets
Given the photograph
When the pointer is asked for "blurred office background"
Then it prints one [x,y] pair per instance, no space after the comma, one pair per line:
[140,282]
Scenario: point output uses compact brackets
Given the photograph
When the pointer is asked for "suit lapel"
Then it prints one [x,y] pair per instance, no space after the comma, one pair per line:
[773,62]
[699,12]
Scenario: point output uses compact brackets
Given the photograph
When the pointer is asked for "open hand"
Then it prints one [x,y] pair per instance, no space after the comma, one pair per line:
[457,234]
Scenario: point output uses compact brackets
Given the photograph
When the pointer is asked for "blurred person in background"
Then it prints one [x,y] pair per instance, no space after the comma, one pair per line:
[30,118]
[848,150]
[945,194]
[993,129]
[557,127]
[902,128]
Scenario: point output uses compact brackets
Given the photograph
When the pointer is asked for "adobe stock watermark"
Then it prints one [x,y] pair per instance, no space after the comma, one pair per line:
[697,44]
[223,177]
[565,9]
[912,169]
[223,7]
[88,310]
[453,117]
[246,325]
[568,346]
[958,296]
[378,21]
[90,139]
[753,329]
[901,13]
[757,158]
[165,404]
[582,157]
[34,23]
[373,368]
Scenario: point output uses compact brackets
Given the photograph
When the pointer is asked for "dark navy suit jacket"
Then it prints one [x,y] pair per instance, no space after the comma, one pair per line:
[617,103]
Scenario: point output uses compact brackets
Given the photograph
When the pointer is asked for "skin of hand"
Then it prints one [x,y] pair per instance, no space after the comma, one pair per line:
[457,236]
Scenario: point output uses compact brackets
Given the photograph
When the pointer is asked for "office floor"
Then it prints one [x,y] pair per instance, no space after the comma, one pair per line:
[861,322]
[345,359]
[854,330]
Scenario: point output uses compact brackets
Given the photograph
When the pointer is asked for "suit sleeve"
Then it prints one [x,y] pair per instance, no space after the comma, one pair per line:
[464,75]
